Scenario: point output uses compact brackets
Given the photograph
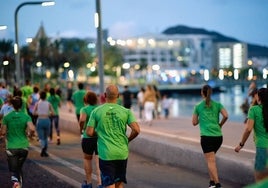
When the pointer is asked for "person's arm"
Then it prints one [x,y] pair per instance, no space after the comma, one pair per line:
[247,131]
[82,121]
[3,130]
[31,128]
[90,131]
[51,109]
[135,131]
[224,117]
[195,120]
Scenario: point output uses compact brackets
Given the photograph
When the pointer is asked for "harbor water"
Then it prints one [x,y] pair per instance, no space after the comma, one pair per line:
[231,98]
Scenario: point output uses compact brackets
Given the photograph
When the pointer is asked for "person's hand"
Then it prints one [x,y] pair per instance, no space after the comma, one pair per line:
[238,148]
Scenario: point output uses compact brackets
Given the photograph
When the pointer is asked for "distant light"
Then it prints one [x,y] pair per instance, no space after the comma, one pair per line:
[15,48]
[155,67]
[236,74]
[66,65]
[126,66]
[3,27]
[5,62]
[29,40]
[39,64]
[71,74]
[250,74]
[264,73]
[170,42]
[96,19]
[48,3]
[221,74]
[250,62]
[206,74]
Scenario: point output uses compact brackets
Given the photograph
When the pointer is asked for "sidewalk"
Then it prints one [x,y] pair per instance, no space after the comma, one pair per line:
[176,142]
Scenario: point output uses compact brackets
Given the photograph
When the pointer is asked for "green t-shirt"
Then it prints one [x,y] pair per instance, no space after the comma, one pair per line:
[87,110]
[16,124]
[78,100]
[209,118]
[27,91]
[110,121]
[54,100]
[24,105]
[260,134]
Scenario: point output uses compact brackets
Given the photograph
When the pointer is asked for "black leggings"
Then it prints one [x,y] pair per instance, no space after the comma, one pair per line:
[16,159]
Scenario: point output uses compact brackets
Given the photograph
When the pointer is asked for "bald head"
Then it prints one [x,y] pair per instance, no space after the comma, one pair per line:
[111,92]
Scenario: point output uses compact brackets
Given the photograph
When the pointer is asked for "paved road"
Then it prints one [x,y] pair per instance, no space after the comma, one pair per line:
[64,169]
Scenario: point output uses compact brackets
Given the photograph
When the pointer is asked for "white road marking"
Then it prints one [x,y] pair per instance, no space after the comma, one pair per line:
[67,164]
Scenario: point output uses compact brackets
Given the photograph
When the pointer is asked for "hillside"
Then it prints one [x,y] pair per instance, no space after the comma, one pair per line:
[253,49]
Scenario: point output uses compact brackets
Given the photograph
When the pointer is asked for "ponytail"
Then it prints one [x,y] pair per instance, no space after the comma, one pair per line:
[263,97]
[206,92]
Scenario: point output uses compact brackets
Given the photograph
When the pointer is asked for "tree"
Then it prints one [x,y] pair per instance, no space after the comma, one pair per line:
[113,58]
[6,54]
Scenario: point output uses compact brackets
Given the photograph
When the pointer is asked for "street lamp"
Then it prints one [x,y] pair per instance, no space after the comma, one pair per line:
[99,44]
[16,45]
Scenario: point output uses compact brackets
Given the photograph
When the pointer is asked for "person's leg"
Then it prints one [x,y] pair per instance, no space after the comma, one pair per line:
[56,123]
[40,132]
[98,172]
[212,168]
[261,164]
[12,159]
[51,128]
[88,167]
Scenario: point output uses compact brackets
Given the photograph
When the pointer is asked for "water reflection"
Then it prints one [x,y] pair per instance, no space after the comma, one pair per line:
[232,99]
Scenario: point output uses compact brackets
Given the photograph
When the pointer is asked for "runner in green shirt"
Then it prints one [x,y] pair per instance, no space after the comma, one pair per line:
[27,89]
[258,121]
[16,124]
[206,114]
[55,102]
[89,144]
[110,122]
[78,99]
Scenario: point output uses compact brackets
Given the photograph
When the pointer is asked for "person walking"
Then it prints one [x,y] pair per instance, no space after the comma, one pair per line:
[43,109]
[258,121]
[140,98]
[157,111]
[109,121]
[89,144]
[15,126]
[55,101]
[166,105]
[127,97]
[78,99]
[207,114]
[69,96]
[32,100]
[149,102]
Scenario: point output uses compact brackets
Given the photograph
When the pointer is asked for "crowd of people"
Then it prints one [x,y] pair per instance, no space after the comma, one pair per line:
[103,121]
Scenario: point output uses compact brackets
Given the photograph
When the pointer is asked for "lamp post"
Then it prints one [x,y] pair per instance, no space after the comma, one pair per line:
[16,45]
[99,44]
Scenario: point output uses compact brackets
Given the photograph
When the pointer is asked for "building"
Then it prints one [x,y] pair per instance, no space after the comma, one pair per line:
[173,59]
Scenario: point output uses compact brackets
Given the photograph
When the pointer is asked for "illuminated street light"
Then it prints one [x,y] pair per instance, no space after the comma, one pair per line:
[3,27]
[16,45]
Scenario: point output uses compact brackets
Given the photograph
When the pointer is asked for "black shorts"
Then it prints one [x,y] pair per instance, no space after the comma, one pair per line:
[211,143]
[113,171]
[89,145]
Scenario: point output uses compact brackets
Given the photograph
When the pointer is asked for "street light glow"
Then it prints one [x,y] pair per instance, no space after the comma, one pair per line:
[48,3]
[3,27]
